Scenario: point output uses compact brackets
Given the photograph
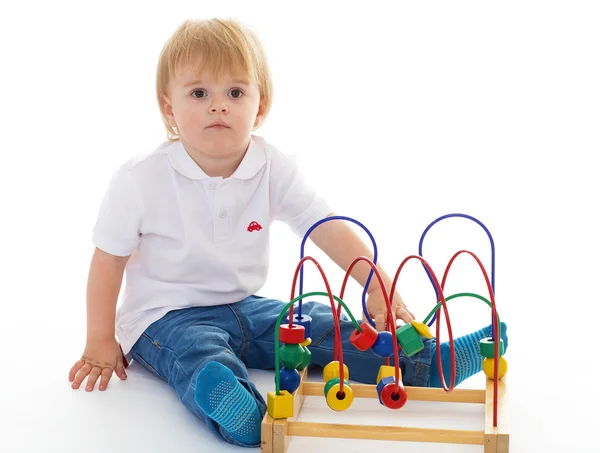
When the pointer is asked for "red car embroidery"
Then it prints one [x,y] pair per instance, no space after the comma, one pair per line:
[254,226]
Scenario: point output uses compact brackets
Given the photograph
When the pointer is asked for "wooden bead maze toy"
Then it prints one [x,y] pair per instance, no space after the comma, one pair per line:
[292,340]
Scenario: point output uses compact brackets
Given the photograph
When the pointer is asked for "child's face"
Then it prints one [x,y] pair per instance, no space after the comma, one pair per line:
[196,102]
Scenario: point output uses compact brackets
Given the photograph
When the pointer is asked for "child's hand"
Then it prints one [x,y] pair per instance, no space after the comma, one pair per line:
[378,309]
[100,359]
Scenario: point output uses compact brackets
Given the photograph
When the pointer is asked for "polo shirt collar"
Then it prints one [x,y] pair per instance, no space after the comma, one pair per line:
[253,161]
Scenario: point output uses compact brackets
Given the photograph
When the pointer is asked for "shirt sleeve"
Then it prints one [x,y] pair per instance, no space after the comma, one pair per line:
[117,228]
[294,202]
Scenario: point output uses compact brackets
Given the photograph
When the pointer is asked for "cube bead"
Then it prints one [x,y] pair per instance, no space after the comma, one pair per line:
[409,340]
[387,371]
[280,406]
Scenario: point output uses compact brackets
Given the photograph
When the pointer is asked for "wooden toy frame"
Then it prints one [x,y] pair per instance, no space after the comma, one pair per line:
[276,434]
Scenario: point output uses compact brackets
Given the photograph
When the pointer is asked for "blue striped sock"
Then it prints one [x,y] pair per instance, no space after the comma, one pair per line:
[468,357]
[221,396]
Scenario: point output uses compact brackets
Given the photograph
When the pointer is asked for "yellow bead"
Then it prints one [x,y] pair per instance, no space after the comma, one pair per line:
[306,342]
[388,371]
[422,329]
[337,403]
[332,370]
[280,406]
[488,367]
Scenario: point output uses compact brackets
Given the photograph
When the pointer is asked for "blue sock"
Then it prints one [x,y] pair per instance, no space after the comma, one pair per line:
[221,396]
[468,357]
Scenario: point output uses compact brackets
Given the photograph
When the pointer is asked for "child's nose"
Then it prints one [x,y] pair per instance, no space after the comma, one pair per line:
[219,108]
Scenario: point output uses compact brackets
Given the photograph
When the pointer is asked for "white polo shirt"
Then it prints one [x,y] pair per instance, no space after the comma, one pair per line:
[196,240]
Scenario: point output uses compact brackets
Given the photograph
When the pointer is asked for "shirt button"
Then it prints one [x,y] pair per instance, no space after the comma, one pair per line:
[211,185]
[223,214]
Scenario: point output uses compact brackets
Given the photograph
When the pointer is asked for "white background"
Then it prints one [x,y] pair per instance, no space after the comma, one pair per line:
[398,114]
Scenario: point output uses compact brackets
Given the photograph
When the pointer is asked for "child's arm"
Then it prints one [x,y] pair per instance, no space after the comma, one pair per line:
[102,354]
[343,246]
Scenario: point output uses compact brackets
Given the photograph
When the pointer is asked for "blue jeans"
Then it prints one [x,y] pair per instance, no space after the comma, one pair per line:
[241,336]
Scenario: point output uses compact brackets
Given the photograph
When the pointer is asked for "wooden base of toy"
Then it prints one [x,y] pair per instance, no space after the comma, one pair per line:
[276,434]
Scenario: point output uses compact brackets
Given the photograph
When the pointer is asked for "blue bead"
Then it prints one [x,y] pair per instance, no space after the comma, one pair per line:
[289,379]
[305,321]
[383,346]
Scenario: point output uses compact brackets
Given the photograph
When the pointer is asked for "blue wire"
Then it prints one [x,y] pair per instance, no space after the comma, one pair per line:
[364,296]
[493,272]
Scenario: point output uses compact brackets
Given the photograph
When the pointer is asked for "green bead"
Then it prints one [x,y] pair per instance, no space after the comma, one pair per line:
[291,355]
[409,340]
[486,347]
[331,383]
[305,360]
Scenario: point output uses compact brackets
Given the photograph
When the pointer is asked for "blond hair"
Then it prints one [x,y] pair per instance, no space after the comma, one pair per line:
[224,46]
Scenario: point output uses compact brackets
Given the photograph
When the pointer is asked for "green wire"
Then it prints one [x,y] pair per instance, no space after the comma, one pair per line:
[278,323]
[454,296]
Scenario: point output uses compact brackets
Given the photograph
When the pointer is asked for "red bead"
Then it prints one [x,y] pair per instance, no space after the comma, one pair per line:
[389,397]
[291,335]
[365,339]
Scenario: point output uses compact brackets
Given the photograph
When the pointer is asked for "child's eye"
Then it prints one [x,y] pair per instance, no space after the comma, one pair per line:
[199,94]
[236,93]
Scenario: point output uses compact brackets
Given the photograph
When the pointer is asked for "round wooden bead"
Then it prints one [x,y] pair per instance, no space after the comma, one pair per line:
[383,346]
[332,370]
[486,347]
[364,339]
[291,355]
[304,322]
[337,401]
[291,335]
[306,358]
[289,380]
[488,367]
[331,382]
[392,399]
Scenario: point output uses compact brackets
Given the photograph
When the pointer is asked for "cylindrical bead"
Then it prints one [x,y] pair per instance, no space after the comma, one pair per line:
[364,339]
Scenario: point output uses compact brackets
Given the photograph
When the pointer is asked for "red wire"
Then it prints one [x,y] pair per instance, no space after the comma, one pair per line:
[337,342]
[494,323]
[390,320]
[437,332]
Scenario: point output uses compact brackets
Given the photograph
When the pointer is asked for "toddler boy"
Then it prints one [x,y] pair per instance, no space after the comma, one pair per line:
[189,224]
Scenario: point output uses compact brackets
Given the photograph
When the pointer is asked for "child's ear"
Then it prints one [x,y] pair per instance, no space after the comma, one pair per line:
[260,115]
[168,109]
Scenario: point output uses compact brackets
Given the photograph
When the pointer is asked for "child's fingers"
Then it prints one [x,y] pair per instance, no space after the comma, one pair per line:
[404,315]
[105,377]
[81,375]
[91,382]
[75,368]
[121,374]
[380,321]
[120,370]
